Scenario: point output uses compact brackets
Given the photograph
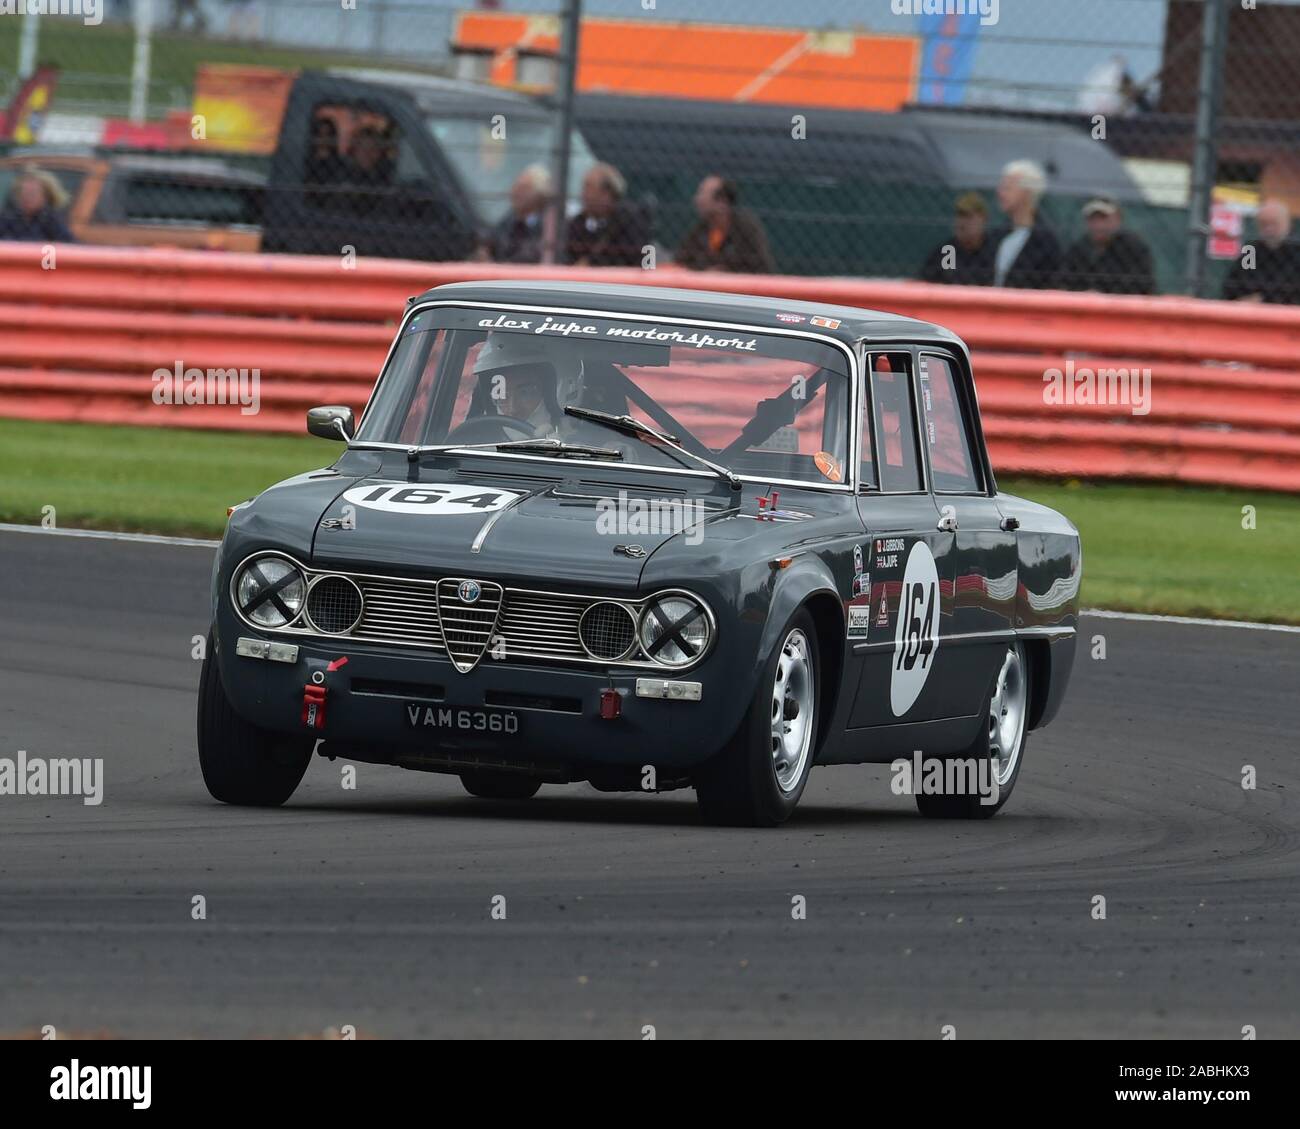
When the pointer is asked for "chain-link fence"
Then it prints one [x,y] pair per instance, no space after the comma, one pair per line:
[1127,146]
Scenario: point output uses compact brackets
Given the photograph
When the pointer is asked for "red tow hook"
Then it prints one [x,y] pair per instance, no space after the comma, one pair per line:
[313,704]
[314,695]
[611,704]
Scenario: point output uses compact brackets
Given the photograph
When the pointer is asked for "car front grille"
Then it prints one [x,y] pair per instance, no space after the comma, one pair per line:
[503,624]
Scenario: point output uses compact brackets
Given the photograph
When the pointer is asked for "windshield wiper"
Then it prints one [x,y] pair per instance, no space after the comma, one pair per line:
[560,448]
[546,446]
[631,426]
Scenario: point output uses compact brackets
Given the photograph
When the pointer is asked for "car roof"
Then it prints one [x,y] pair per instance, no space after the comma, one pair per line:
[435,91]
[854,324]
[752,140]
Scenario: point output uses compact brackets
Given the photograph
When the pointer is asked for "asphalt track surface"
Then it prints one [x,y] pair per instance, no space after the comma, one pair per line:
[372,907]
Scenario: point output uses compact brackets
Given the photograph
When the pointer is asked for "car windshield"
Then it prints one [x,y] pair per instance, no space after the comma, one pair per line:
[488,161]
[761,404]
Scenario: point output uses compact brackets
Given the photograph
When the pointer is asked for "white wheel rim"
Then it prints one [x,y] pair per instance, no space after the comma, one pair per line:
[1007,711]
[792,707]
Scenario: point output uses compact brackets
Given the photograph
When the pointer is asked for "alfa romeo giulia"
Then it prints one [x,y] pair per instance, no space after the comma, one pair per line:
[650,539]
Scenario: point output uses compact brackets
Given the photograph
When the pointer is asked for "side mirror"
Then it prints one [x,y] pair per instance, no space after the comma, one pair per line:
[331,422]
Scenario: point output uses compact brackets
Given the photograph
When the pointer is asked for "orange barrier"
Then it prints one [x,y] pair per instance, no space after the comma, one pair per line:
[81,341]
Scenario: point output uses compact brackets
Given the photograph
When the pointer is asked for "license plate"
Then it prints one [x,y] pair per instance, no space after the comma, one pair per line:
[469,720]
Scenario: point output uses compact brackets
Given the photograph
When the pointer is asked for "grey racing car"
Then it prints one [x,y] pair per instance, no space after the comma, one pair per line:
[651,539]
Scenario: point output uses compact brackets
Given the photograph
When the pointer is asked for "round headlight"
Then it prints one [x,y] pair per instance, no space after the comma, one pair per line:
[270,592]
[675,629]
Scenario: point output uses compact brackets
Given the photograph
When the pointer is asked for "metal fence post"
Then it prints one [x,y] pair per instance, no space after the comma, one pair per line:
[27,44]
[140,61]
[1214,42]
[568,78]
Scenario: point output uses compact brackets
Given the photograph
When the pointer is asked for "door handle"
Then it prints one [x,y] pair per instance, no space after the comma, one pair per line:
[947,524]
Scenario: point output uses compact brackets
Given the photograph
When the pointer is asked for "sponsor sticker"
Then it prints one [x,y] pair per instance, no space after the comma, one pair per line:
[793,319]
[826,323]
[887,552]
[859,622]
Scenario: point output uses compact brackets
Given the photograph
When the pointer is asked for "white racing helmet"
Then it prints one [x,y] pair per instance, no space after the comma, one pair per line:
[503,351]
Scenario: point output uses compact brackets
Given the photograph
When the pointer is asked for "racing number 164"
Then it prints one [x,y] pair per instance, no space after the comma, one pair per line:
[918,635]
[430,496]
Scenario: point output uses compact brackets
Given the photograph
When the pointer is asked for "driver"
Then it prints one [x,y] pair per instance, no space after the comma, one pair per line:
[529,381]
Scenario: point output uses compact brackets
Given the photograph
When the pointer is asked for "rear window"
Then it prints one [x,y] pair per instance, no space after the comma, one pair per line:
[946,430]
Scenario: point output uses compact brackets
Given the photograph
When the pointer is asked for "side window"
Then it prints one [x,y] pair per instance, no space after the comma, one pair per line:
[897,457]
[158,199]
[867,459]
[946,430]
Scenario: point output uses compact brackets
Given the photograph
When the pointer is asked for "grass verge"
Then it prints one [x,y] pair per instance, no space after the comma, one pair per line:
[1146,548]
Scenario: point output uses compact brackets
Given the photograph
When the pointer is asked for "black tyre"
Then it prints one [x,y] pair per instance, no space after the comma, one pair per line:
[241,763]
[1000,744]
[758,778]
[499,785]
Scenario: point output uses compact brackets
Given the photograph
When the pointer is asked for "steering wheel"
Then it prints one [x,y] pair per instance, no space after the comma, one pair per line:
[488,429]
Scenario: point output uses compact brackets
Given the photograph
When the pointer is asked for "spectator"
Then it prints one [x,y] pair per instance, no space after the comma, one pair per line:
[370,160]
[325,163]
[966,259]
[1273,275]
[518,238]
[32,212]
[609,231]
[726,236]
[1108,259]
[1027,254]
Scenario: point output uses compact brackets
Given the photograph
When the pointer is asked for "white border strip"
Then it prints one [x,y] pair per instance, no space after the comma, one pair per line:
[111,535]
[197,543]
[1102,613]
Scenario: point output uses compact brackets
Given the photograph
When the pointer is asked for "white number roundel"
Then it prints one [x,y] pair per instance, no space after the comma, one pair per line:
[916,638]
[434,500]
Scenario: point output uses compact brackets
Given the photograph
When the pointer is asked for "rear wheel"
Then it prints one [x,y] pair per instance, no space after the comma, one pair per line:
[1000,745]
[758,778]
[499,785]
[241,763]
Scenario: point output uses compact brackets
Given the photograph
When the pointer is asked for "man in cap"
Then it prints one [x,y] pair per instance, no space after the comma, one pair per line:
[967,258]
[1108,259]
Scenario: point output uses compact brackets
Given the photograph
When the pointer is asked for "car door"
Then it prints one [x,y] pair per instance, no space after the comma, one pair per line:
[906,559]
[984,559]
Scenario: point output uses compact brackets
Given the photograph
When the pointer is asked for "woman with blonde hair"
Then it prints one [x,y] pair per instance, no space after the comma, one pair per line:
[32,214]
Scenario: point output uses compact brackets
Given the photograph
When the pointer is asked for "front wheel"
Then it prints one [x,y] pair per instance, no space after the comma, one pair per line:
[241,763]
[996,751]
[757,780]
